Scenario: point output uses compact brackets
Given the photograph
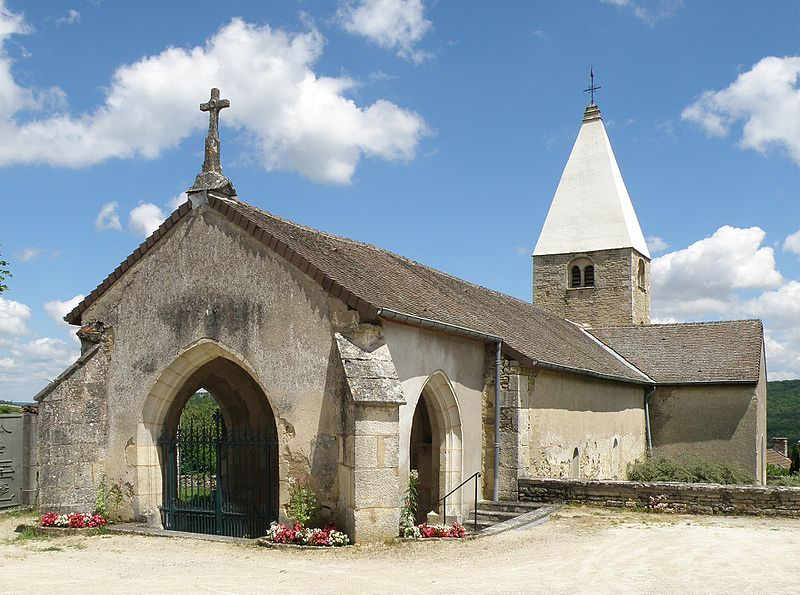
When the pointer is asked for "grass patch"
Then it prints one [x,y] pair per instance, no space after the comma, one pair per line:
[29,533]
[19,511]
[687,470]
[51,548]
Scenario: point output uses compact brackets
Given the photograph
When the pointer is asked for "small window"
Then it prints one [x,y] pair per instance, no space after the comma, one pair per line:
[575,278]
[576,463]
[640,275]
[588,276]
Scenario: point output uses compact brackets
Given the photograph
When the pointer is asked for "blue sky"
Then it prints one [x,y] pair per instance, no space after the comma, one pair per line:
[434,129]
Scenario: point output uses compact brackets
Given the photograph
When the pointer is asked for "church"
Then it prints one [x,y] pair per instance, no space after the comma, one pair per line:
[344,366]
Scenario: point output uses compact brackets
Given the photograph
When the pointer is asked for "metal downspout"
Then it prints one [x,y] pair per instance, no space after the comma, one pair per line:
[497,366]
[647,396]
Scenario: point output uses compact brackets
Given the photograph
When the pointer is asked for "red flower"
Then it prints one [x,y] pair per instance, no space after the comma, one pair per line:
[49,520]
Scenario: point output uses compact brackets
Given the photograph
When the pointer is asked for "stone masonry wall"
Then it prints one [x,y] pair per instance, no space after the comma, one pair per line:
[615,299]
[72,437]
[516,385]
[665,497]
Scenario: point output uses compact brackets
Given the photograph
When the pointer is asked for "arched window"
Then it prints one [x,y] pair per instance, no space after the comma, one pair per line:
[640,275]
[588,276]
[575,470]
[580,273]
[575,276]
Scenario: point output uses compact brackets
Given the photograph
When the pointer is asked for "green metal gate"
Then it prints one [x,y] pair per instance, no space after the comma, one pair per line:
[219,481]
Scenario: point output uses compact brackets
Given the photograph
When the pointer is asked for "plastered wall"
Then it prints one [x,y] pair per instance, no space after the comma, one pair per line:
[569,411]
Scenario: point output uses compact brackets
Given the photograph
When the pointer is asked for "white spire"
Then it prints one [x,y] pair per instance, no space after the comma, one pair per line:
[591,209]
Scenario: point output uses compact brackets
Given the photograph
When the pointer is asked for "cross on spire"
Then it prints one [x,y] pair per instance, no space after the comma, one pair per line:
[592,88]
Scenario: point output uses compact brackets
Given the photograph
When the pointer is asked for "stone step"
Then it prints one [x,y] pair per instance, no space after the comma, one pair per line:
[504,506]
[495,515]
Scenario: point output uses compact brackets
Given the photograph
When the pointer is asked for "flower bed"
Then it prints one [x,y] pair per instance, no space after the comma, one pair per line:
[456,530]
[76,520]
[297,534]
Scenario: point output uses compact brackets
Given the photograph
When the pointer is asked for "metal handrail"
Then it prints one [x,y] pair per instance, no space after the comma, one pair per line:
[475,477]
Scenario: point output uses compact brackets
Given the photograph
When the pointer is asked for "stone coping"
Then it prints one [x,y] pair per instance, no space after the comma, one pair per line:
[692,498]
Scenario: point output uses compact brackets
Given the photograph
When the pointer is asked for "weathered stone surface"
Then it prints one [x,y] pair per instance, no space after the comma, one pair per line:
[616,297]
[665,496]
[370,373]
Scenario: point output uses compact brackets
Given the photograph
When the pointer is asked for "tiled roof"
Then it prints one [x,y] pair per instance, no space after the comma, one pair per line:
[689,353]
[368,278]
[776,458]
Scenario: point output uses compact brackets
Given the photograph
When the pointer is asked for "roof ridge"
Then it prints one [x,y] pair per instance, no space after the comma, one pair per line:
[668,324]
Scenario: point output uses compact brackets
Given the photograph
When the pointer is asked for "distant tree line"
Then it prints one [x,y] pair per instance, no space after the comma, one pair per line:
[783,410]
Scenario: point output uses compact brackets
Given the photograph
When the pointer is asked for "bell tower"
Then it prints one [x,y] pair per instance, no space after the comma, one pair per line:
[591,264]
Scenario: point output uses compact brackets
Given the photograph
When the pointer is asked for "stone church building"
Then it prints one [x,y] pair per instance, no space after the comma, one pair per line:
[358,364]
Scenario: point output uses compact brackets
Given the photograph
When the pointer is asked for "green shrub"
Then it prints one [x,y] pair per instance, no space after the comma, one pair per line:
[408,514]
[792,481]
[775,471]
[303,503]
[687,469]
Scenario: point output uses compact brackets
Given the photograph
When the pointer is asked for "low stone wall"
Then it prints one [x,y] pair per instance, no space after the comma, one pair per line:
[697,498]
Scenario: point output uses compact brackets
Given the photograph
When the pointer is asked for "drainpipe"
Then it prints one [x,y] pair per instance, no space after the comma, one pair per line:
[647,396]
[497,366]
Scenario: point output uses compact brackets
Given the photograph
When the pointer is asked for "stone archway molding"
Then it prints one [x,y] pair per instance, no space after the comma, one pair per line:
[147,459]
[446,417]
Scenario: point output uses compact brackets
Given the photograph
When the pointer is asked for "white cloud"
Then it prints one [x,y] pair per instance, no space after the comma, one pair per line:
[523,251]
[792,243]
[766,98]
[45,349]
[177,201]
[29,253]
[392,24]
[71,18]
[14,317]
[145,219]
[715,278]
[57,309]
[295,119]
[649,11]
[655,244]
[28,367]
[107,218]
[710,271]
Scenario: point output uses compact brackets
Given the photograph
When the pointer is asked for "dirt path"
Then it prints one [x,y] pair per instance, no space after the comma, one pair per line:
[581,550]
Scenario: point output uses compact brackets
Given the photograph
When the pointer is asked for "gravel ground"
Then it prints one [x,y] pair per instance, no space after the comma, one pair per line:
[580,550]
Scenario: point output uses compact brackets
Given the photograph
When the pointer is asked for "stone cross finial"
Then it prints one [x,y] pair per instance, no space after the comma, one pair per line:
[213,107]
[211,178]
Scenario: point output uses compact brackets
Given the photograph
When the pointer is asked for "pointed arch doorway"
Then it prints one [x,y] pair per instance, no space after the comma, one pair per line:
[218,472]
[435,446]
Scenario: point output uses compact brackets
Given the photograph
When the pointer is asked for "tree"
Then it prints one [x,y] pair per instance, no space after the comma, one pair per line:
[4,274]
[795,456]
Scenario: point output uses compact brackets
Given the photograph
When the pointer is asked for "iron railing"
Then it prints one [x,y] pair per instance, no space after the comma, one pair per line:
[474,477]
